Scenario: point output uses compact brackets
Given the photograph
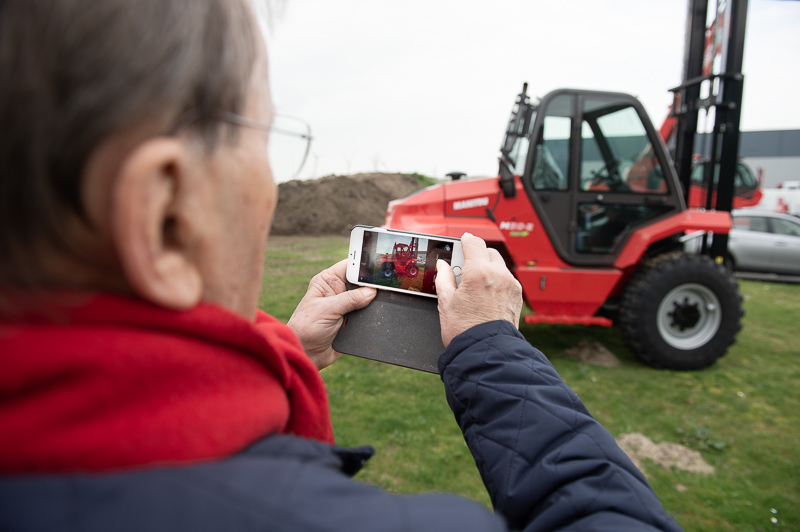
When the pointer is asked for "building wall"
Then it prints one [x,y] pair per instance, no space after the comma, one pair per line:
[776,169]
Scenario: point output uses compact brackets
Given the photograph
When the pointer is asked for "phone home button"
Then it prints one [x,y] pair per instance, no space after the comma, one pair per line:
[457,271]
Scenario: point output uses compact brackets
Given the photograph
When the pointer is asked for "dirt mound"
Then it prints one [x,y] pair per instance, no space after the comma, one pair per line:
[638,447]
[594,354]
[332,205]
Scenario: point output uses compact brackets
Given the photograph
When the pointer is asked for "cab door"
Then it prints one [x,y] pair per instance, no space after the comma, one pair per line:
[596,171]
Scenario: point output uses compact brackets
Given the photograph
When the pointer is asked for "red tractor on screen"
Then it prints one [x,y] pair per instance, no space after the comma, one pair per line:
[401,262]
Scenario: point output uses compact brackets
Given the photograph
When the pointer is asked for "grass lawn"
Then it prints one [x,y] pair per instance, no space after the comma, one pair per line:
[748,404]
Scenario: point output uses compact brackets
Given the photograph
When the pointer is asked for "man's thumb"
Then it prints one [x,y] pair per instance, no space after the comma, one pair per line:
[445,279]
[355,299]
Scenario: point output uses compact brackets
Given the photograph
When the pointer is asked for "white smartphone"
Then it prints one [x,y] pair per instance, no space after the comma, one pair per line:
[399,260]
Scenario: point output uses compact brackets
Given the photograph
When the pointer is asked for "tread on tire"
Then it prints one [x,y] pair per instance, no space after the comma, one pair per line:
[681,312]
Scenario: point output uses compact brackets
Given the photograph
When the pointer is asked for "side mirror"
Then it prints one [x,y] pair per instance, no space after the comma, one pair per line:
[507,184]
[455,176]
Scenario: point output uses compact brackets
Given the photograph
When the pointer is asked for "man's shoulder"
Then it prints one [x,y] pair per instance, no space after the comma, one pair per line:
[263,482]
[279,483]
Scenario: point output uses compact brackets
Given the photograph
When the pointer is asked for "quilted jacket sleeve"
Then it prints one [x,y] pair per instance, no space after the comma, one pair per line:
[546,462]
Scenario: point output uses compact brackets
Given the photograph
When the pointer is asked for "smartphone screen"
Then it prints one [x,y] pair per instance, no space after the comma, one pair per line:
[400,261]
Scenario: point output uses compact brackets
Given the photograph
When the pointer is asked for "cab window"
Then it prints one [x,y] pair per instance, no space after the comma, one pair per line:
[616,154]
[551,160]
[602,226]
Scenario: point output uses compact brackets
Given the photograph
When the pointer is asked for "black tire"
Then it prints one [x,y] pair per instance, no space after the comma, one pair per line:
[388,270]
[681,312]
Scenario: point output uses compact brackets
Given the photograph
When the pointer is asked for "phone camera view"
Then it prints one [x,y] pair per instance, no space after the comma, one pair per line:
[404,262]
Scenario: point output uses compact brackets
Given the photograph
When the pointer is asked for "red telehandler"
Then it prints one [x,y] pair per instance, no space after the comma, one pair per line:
[401,262]
[591,214]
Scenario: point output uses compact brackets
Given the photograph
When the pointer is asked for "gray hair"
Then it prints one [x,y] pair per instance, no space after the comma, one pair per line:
[78,71]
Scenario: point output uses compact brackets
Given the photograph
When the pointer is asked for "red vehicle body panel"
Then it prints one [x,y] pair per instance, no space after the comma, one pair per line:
[688,221]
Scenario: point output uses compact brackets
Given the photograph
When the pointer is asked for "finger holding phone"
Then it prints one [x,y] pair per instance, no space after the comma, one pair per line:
[487,290]
[319,315]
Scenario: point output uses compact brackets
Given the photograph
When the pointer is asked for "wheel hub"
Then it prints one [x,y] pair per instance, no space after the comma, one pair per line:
[685,314]
[688,316]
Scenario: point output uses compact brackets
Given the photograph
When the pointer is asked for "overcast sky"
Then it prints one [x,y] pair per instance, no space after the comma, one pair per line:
[427,85]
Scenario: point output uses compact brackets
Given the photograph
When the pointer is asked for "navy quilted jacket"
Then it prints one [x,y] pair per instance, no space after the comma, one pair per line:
[548,465]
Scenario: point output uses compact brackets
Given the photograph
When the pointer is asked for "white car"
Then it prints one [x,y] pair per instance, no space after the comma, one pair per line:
[762,241]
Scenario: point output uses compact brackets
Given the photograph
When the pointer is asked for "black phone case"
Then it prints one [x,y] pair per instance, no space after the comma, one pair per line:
[395,328]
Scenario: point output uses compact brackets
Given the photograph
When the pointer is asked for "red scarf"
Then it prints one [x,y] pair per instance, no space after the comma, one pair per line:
[117,383]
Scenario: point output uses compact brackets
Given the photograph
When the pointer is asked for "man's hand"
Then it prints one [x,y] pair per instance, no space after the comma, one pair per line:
[487,292]
[318,317]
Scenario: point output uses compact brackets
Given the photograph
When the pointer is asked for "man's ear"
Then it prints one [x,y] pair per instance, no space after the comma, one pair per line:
[151,223]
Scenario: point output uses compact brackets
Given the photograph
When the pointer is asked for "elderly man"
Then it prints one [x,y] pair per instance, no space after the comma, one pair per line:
[140,386]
